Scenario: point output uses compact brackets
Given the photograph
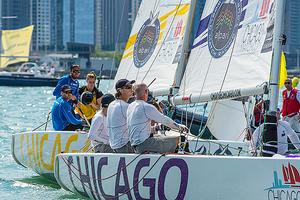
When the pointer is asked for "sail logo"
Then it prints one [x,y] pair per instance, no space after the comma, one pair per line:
[146,41]
[264,9]
[223,26]
[286,188]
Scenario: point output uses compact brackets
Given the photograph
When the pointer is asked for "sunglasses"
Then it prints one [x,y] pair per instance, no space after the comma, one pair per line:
[76,71]
[127,87]
[287,83]
[68,92]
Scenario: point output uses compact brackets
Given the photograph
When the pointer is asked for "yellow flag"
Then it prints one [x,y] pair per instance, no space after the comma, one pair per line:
[15,46]
[283,72]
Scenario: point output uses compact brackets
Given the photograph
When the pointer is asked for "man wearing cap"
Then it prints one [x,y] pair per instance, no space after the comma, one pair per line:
[71,80]
[98,133]
[139,117]
[62,116]
[116,117]
[291,105]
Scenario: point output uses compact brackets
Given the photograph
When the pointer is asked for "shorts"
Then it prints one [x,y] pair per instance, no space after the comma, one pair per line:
[103,148]
[124,149]
[158,144]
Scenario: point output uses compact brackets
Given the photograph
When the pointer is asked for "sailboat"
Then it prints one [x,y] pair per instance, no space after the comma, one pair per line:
[235,42]
[156,45]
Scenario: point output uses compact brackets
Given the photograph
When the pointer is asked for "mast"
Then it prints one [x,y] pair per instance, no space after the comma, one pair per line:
[269,134]
[275,68]
[184,55]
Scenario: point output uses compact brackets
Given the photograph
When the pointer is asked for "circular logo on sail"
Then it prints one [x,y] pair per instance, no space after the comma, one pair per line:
[146,42]
[223,26]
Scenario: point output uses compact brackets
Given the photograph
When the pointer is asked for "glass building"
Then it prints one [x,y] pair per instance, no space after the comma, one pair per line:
[292,31]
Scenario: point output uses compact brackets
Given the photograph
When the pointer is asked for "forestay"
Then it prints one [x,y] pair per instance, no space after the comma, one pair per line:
[155,45]
[232,50]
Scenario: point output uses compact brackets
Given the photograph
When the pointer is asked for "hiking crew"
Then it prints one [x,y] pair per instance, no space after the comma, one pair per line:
[98,132]
[117,119]
[62,115]
[291,105]
[139,117]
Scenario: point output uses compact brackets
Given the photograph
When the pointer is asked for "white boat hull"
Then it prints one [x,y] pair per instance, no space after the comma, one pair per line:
[152,176]
[37,150]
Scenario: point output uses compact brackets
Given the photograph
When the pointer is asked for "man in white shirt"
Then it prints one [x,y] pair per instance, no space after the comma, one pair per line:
[284,131]
[98,133]
[139,117]
[117,119]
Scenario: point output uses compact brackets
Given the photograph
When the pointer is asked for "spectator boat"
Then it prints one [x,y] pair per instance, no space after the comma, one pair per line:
[29,74]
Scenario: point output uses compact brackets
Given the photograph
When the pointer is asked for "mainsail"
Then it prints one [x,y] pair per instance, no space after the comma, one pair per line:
[231,57]
[155,45]
[232,50]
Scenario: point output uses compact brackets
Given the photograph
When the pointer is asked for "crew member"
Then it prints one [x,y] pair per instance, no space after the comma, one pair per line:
[139,117]
[89,109]
[62,116]
[117,119]
[258,111]
[291,105]
[71,80]
[98,133]
[284,131]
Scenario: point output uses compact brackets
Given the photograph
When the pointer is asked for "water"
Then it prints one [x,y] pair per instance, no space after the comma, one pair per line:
[23,109]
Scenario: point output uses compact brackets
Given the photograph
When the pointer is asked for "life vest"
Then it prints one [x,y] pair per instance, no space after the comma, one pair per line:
[88,110]
[290,104]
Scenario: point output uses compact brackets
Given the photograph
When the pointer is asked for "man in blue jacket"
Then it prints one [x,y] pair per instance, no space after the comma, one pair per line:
[62,116]
[71,80]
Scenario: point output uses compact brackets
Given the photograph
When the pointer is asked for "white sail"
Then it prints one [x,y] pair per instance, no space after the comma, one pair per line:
[155,45]
[232,49]
[224,113]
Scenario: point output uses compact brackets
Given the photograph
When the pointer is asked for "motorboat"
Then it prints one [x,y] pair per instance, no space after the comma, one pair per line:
[29,74]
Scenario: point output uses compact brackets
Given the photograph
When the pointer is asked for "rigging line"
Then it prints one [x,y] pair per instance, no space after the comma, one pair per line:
[155,6]
[117,39]
[129,69]
[223,81]
[123,193]
[202,88]
[137,74]
[173,19]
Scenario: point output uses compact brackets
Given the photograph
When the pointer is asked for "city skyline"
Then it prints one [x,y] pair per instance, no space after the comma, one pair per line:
[98,23]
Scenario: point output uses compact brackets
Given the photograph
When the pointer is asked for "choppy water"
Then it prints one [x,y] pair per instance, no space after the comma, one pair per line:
[22,109]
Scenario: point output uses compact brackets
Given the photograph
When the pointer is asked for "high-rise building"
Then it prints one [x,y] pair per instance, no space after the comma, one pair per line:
[17,13]
[292,30]
[135,5]
[78,21]
[112,23]
[45,15]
